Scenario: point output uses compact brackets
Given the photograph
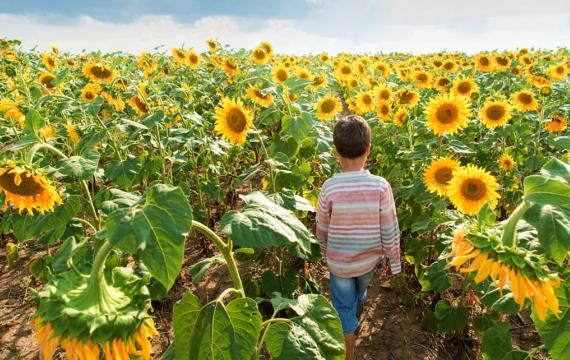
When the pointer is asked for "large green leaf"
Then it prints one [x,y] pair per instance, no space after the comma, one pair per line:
[556,169]
[315,334]
[34,122]
[546,191]
[198,270]
[435,278]
[124,172]
[184,315]
[553,226]
[285,284]
[445,318]
[297,127]
[155,228]
[80,167]
[497,342]
[555,332]
[262,223]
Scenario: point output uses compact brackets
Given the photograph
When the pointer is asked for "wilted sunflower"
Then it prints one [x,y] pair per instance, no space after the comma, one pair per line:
[483,63]
[259,56]
[557,123]
[506,162]
[72,133]
[46,80]
[233,120]
[257,96]
[495,113]
[438,175]
[98,72]
[524,101]
[472,187]
[558,71]
[50,61]
[90,92]
[116,103]
[407,98]
[192,59]
[139,104]
[464,87]
[400,117]
[12,111]
[384,110]
[47,132]
[280,74]
[179,55]
[328,107]
[446,114]
[27,189]
[365,102]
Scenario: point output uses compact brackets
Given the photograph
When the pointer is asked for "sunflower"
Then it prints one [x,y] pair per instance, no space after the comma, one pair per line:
[257,96]
[328,107]
[280,74]
[49,61]
[90,92]
[47,132]
[230,67]
[98,72]
[506,162]
[212,45]
[382,68]
[179,55]
[303,73]
[472,187]
[233,120]
[324,57]
[46,80]
[558,71]
[407,98]
[259,56]
[351,104]
[501,63]
[495,113]
[384,110]
[438,175]
[383,93]
[464,87]
[401,117]
[447,113]
[422,79]
[344,71]
[116,103]
[483,63]
[27,189]
[442,83]
[191,59]
[139,104]
[524,101]
[365,102]
[12,111]
[318,82]
[557,123]
[72,133]
[267,47]
[449,66]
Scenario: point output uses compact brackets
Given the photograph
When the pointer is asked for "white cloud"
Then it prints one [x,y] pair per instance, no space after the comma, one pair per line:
[339,26]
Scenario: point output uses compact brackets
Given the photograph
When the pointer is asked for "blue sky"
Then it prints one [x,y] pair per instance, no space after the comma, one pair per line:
[294,26]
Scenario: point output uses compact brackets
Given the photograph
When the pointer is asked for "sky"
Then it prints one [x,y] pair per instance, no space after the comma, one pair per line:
[291,26]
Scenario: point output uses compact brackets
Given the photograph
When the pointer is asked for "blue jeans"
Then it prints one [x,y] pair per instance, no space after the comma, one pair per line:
[348,296]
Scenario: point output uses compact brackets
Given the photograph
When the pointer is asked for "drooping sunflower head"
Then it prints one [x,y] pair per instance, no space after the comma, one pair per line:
[50,61]
[438,175]
[464,87]
[280,74]
[365,102]
[233,120]
[98,72]
[12,111]
[27,189]
[506,162]
[400,117]
[46,80]
[256,95]
[495,113]
[47,132]
[384,110]
[90,92]
[524,100]
[407,98]
[472,187]
[556,124]
[259,56]
[139,104]
[328,107]
[192,59]
[446,114]
[72,133]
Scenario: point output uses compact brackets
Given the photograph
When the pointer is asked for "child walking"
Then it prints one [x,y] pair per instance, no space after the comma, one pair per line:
[357,225]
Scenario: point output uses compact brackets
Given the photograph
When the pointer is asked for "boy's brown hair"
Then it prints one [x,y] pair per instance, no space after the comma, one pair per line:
[351,136]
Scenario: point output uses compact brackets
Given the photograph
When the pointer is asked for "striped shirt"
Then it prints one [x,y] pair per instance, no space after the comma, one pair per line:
[357,225]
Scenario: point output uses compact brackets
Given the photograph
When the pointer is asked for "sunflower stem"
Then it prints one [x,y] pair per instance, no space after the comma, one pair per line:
[227,253]
[271,174]
[508,237]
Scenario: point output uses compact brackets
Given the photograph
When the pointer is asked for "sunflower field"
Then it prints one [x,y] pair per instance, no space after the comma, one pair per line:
[111,163]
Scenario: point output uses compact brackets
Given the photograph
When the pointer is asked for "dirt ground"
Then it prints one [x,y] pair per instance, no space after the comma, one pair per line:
[391,323]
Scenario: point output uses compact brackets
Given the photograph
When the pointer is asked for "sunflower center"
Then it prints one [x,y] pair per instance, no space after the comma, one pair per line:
[495,112]
[406,97]
[47,81]
[422,78]
[447,113]
[384,94]
[473,189]
[484,61]
[437,63]
[464,87]
[180,54]
[443,82]
[502,61]
[236,120]
[193,58]
[27,187]
[328,106]
[443,175]
[525,98]
[345,70]
[259,54]
[560,70]
[100,72]
[89,95]
[367,100]
[282,75]
[448,65]
[51,62]
[141,104]
[317,81]
[384,110]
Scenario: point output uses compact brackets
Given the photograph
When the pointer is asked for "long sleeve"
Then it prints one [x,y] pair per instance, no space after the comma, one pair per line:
[323,220]
[389,229]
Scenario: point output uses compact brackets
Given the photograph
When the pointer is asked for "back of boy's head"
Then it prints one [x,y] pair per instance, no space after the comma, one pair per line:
[351,136]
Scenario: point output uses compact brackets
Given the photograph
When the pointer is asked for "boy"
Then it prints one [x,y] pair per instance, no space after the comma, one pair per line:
[356,225]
